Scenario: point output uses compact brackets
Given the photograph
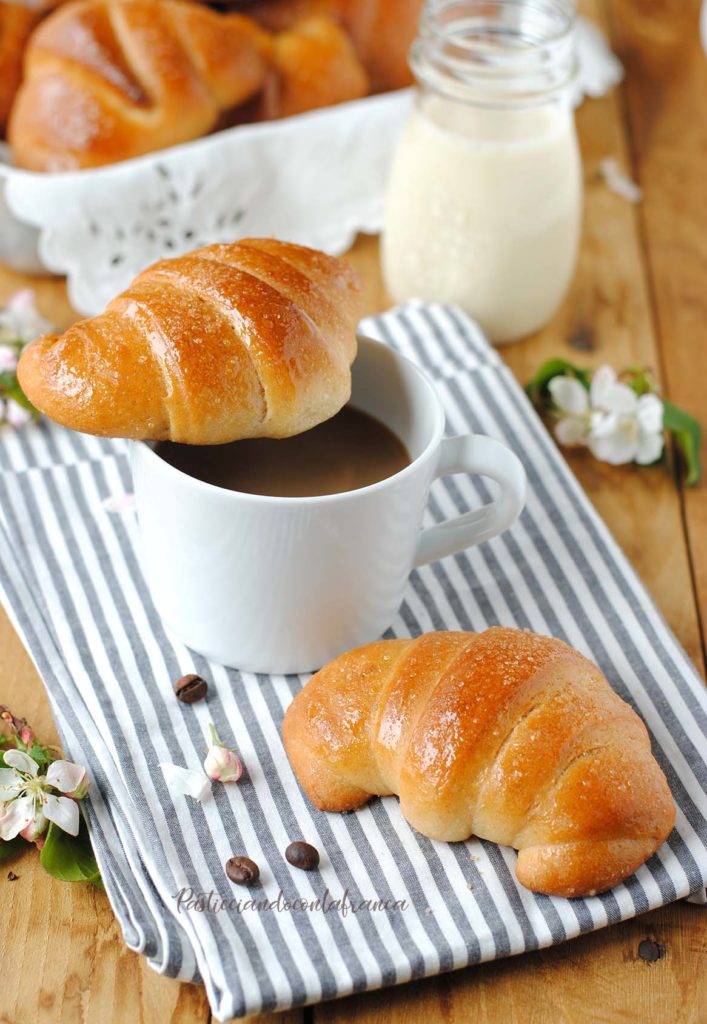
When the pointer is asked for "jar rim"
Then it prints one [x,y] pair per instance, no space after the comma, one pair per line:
[505,52]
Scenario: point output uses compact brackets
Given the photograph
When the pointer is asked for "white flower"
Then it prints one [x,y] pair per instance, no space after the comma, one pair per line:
[186,782]
[16,415]
[26,798]
[8,359]
[20,320]
[571,398]
[625,428]
[611,420]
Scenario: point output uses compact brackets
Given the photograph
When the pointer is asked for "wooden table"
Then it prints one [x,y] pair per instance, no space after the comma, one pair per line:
[639,299]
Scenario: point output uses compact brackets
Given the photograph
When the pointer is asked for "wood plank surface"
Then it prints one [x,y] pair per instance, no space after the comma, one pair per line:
[665,97]
[639,298]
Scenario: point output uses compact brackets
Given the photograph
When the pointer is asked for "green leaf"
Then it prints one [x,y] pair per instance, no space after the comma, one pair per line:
[688,435]
[70,858]
[39,754]
[10,387]
[12,848]
[640,380]
[537,389]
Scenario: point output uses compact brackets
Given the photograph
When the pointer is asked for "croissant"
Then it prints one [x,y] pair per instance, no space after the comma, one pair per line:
[314,65]
[506,735]
[382,31]
[16,24]
[280,15]
[251,339]
[106,80]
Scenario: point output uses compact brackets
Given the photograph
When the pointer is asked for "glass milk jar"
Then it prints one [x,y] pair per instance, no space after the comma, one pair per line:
[485,194]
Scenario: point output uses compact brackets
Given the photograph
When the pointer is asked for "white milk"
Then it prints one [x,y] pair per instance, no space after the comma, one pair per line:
[484,210]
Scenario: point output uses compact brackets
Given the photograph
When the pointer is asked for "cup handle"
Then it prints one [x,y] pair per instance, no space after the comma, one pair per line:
[475,453]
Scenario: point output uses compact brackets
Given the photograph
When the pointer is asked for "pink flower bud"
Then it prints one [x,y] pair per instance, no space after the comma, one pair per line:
[222,764]
[7,728]
[26,735]
[36,828]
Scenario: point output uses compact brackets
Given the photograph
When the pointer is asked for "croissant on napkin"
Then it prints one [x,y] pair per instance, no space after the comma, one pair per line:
[252,339]
[506,735]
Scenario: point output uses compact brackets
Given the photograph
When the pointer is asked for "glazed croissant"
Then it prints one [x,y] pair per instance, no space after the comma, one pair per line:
[382,31]
[106,80]
[16,24]
[506,735]
[252,339]
[313,65]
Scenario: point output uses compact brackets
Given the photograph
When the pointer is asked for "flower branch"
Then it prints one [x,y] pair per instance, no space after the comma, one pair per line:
[620,419]
[20,323]
[39,803]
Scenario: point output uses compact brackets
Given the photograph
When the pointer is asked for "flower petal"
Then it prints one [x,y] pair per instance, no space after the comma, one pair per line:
[36,828]
[603,378]
[650,413]
[620,399]
[23,762]
[63,812]
[17,817]
[603,424]
[569,395]
[616,448]
[10,784]
[27,321]
[65,775]
[16,415]
[121,504]
[571,430]
[8,359]
[8,793]
[649,448]
[186,782]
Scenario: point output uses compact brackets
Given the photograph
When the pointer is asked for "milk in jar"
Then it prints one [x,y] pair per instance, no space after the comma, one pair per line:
[484,198]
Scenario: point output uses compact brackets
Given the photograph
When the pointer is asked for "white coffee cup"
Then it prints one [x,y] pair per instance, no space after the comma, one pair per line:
[283,585]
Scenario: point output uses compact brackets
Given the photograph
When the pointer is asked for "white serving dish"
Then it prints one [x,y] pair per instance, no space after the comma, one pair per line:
[317,179]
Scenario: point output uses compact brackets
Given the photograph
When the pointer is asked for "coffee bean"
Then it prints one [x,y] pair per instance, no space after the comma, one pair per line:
[302,855]
[190,689]
[242,870]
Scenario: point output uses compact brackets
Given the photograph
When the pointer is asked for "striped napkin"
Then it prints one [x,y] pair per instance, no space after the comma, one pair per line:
[388,904]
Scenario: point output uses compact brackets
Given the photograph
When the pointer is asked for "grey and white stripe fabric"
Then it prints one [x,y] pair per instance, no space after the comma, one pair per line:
[71,580]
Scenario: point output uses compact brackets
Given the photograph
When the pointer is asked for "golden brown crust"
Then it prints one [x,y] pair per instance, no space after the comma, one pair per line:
[106,80]
[281,15]
[313,65]
[16,24]
[382,31]
[505,734]
[252,339]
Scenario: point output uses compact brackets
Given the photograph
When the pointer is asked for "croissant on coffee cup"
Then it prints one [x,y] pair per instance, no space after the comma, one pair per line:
[256,340]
